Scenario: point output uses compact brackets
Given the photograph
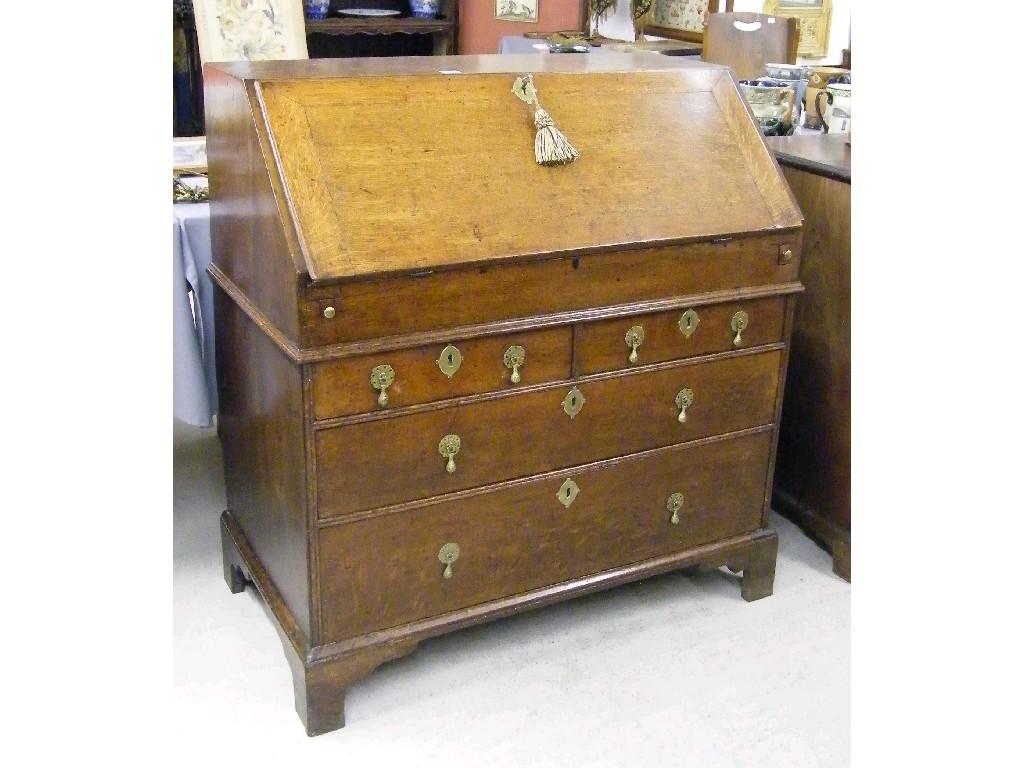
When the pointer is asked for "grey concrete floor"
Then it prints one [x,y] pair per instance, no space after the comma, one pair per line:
[673,671]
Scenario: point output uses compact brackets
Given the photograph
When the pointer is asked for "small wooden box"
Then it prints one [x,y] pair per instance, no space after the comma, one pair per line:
[456,384]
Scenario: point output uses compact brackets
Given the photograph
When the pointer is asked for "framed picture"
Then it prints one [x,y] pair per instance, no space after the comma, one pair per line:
[190,153]
[230,30]
[683,19]
[516,10]
[815,20]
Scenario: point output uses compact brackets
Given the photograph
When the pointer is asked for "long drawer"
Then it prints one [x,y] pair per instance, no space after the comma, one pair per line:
[388,570]
[530,433]
[401,304]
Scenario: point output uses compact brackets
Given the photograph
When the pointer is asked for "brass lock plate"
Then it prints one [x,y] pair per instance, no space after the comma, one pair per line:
[568,492]
[688,323]
[450,360]
[573,402]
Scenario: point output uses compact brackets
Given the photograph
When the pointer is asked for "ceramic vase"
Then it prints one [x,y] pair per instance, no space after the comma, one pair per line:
[316,9]
[425,9]
[771,102]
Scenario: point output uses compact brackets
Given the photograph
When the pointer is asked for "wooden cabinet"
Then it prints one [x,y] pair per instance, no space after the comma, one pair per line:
[812,475]
[436,407]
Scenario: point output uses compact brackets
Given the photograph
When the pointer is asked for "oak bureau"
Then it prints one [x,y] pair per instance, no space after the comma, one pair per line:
[456,383]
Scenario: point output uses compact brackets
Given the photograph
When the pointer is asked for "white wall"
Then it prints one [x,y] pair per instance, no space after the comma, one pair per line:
[620,25]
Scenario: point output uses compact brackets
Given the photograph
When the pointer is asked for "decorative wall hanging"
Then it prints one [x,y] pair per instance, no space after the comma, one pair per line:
[815,19]
[516,10]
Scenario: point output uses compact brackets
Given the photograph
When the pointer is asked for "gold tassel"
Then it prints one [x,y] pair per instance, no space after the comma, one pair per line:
[551,146]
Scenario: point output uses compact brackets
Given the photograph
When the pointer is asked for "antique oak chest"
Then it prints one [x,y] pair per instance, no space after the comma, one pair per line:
[456,383]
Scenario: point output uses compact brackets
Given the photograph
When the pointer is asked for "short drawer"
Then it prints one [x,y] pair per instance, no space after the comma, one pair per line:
[393,459]
[386,571]
[611,345]
[421,375]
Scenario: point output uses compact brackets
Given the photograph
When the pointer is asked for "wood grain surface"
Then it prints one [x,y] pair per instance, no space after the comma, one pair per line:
[404,304]
[385,571]
[602,346]
[342,387]
[363,166]
[531,433]
[813,468]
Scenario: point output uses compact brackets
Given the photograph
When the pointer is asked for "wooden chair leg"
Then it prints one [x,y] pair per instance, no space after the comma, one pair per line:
[759,568]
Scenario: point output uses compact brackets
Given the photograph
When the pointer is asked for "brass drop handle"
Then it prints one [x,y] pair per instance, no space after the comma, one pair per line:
[675,503]
[740,321]
[448,447]
[634,338]
[448,554]
[382,377]
[515,358]
[683,401]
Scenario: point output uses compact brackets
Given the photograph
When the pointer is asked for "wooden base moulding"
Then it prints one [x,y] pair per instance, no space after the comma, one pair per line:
[322,674]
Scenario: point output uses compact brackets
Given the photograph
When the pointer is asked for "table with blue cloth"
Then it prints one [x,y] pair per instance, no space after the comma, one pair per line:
[195,375]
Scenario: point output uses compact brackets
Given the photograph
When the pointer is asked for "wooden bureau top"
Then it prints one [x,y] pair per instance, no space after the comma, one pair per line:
[398,165]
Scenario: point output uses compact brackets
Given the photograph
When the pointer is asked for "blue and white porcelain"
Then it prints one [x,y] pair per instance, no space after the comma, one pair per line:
[425,9]
[316,9]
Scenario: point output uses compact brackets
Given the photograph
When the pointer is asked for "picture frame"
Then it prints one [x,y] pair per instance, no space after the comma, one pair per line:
[190,154]
[527,11]
[258,30]
[815,20]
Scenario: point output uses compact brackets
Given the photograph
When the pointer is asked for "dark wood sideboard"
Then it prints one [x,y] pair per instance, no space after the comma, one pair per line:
[456,384]
[812,471]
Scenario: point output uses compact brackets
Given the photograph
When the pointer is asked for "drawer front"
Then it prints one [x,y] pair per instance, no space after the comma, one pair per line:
[386,461]
[342,387]
[607,345]
[386,571]
[404,304]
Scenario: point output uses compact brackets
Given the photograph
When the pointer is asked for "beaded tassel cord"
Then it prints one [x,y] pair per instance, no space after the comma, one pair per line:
[550,147]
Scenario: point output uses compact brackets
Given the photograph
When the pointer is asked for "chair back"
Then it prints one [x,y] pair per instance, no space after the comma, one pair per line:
[682,19]
[748,41]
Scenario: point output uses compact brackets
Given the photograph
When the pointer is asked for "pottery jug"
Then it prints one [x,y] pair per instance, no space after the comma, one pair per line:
[770,100]
[836,115]
[818,82]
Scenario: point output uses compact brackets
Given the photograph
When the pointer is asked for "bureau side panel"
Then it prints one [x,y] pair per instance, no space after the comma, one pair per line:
[262,433]
[248,237]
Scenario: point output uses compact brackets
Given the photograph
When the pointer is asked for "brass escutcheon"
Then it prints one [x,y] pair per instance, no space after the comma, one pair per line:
[634,338]
[450,360]
[683,401]
[573,402]
[382,377]
[448,448]
[688,323]
[448,554]
[740,321]
[675,503]
[515,358]
[568,492]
